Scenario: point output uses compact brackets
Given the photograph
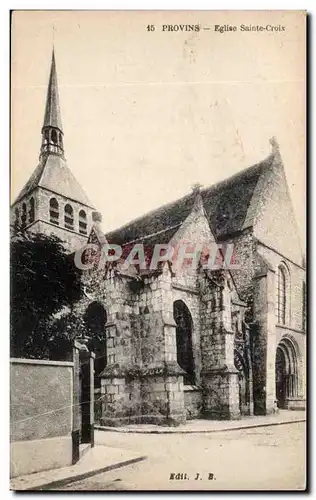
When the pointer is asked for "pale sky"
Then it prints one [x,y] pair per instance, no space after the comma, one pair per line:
[148,114]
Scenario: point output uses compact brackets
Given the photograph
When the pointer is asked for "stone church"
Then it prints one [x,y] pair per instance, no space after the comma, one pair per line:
[175,344]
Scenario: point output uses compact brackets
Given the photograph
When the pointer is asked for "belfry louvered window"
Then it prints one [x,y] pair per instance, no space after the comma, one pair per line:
[16,217]
[54,136]
[54,211]
[31,211]
[82,222]
[69,217]
[24,215]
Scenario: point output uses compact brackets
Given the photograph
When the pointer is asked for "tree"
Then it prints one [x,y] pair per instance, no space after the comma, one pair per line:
[44,279]
[63,330]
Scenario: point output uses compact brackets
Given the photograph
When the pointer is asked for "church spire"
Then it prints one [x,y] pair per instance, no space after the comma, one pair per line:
[52,132]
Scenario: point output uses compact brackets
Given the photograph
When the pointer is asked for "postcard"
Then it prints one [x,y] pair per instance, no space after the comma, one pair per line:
[158,262]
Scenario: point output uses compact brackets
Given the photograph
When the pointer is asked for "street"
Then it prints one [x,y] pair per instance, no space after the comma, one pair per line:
[268,458]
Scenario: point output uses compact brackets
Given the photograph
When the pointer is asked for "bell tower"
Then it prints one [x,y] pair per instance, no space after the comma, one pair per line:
[53,201]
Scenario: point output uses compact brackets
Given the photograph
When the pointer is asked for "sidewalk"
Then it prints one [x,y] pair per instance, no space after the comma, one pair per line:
[104,458]
[204,426]
[97,460]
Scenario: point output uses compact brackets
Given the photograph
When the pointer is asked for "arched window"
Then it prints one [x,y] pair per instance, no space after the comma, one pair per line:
[16,217]
[69,217]
[281,296]
[54,211]
[24,215]
[32,210]
[46,135]
[54,136]
[183,321]
[82,222]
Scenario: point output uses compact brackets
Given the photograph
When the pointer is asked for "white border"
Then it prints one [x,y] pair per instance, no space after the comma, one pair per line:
[4,173]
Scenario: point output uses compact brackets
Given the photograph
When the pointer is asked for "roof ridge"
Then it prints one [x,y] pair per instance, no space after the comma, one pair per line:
[43,160]
[242,172]
[47,176]
[214,186]
[31,183]
[75,193]
[147,236]
[78,183]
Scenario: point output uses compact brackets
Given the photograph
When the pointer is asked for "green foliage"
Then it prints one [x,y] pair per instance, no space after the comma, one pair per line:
[62,332]
[44,279]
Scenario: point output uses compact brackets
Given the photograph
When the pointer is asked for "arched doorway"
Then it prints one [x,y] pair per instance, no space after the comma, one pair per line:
[185,359]
[95,319]
[286,373]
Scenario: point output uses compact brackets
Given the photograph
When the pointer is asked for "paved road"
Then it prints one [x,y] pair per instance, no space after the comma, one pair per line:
[262,458]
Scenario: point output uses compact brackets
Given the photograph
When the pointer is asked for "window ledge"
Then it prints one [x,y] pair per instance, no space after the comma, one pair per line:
[287,327]
[191,388]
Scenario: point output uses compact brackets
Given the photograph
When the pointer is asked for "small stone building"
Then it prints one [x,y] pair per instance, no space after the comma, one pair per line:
[211,343]
[171,340]
[173,344]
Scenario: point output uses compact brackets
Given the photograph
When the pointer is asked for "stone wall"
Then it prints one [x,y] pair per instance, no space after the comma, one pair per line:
[18,206]
[41,415]
[275,224]
[46,403]
[219,376]
[264,341]
[141,380]
[296,275]
[72,239]
[192,402]
[293,327]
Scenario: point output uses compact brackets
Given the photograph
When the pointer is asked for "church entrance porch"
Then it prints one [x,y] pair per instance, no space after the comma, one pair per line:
[286,375]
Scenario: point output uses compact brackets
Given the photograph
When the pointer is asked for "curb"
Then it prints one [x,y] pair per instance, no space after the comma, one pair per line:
[83,475]
[192,431]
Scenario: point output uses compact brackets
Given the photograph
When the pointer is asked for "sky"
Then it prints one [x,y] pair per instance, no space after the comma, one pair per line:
[148,114]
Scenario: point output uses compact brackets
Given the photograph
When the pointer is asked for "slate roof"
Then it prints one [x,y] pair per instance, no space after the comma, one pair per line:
[236,194]
[52,116]
[53,174]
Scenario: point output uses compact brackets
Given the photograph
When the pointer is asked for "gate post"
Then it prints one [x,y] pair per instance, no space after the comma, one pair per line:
[76,414]
[92,358]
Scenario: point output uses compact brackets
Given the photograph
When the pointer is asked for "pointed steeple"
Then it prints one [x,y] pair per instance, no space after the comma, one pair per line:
[52,116]
[52,132]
